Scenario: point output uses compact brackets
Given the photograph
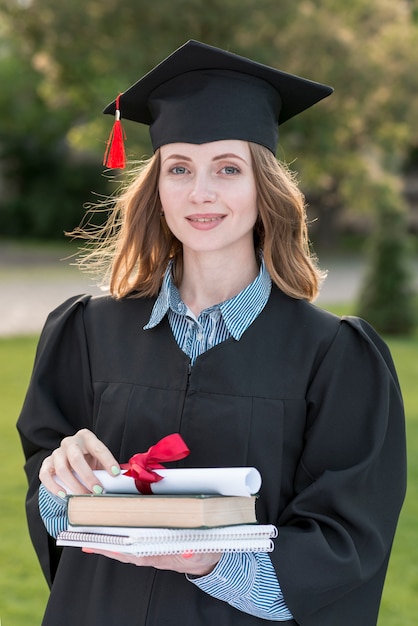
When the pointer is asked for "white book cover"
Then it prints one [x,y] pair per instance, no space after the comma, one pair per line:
[158,541]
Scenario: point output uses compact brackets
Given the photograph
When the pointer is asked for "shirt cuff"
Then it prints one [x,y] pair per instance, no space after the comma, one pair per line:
[53,511]
[247,581]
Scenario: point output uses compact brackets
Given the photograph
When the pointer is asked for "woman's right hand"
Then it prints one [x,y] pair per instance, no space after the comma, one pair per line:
[81,454]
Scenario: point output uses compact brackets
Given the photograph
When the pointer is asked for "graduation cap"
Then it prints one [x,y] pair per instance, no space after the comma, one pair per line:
[201,93]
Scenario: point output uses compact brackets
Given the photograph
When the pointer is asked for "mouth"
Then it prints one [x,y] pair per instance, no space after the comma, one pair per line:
[207,219]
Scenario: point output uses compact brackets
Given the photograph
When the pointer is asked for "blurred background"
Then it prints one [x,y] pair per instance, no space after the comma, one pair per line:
[356,155]
[356,152]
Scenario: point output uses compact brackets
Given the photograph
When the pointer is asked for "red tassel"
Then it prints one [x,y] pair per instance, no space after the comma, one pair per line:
[114,157]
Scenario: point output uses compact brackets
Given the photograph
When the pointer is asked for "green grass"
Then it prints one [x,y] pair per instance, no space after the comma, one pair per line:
[23,592]
[400,600]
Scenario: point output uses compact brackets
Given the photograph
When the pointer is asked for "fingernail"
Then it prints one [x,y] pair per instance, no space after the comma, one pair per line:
[97,489]
[62,494]
[115,470]
[188,554]
[87,550]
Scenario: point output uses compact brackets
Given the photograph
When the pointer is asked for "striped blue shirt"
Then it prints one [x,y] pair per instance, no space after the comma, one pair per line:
[232,317]
[247,581]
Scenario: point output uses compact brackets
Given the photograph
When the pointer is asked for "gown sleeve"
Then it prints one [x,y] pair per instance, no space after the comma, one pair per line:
[336,533]
[61,365]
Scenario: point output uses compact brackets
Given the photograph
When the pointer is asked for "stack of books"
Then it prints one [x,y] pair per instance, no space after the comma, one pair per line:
[171,523]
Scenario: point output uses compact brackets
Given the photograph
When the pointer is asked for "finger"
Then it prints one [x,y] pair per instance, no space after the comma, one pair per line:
[73,461]
[116,556]
[196,564]
[84,452]
[58,477]
[199,564]
[47,477]
[188,554]
[68,474]
[94,450]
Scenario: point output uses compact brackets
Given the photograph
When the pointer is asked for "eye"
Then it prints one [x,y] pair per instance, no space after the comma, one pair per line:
[230,170]
[178,169]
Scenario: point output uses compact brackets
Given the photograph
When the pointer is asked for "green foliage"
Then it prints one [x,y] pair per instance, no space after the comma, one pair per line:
[49,205]
[45,183]
[23,591]
[386,299]
[60,63]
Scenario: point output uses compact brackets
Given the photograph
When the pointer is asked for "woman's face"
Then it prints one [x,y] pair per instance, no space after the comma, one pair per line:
[208,195]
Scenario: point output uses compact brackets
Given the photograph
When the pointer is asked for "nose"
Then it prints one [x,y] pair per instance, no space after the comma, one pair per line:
[202,189]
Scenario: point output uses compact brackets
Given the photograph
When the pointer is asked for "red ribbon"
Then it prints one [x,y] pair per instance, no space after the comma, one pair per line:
[141,465]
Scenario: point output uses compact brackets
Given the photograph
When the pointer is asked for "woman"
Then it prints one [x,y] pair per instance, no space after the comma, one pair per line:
[209,332]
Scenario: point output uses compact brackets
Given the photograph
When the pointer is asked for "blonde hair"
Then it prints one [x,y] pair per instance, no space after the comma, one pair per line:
[132,249]
[281,231]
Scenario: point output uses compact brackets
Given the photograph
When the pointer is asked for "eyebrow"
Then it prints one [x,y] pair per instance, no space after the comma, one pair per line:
[228,155]
[220,157]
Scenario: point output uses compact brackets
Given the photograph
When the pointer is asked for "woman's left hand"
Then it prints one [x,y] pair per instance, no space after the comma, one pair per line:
[187,563]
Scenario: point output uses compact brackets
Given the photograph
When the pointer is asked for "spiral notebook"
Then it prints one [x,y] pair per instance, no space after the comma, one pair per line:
[159,541]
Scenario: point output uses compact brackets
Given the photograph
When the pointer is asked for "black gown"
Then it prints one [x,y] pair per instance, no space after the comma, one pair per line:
[309,399]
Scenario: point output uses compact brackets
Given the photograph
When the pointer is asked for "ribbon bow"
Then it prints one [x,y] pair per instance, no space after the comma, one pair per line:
[141,465]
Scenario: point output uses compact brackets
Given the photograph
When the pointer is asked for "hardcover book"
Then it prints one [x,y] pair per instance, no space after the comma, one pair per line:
[169,511]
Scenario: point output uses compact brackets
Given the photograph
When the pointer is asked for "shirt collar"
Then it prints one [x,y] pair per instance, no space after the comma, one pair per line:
[237,312]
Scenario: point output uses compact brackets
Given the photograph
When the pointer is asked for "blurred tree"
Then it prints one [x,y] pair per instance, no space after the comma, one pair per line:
[368,50]
[43,186]
[386,299]
[81,54]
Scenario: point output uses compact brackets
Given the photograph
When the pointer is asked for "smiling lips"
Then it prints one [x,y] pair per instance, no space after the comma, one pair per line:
[205,219]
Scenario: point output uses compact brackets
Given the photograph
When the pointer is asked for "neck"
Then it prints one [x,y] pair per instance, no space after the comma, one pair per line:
[212,279]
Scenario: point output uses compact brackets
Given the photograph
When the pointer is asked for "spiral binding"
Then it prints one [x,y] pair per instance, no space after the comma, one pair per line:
[148,542]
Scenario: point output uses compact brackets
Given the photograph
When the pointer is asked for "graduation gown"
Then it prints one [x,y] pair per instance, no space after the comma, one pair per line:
[309,399]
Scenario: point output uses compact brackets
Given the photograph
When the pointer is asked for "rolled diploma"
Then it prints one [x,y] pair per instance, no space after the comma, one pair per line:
[224,481]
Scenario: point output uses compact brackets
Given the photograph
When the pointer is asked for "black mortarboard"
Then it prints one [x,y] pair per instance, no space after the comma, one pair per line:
[200,94]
